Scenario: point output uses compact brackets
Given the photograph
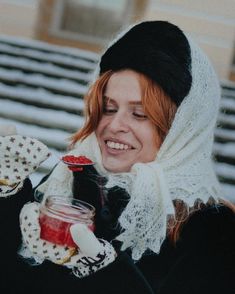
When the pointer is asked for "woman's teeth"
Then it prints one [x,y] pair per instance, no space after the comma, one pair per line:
[114,145]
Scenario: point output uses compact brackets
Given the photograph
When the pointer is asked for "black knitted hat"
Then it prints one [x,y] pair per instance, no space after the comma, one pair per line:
[158,49]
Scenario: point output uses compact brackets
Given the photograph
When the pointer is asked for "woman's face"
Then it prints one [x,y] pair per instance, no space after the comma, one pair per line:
[125,134]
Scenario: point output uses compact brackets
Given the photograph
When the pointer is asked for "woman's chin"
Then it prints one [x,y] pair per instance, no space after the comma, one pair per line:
[115,166]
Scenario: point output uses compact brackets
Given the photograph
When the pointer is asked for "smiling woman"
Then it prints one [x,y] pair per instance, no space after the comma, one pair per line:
[160,225]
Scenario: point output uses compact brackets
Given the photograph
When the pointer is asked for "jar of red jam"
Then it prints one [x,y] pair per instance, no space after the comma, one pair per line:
[58,213]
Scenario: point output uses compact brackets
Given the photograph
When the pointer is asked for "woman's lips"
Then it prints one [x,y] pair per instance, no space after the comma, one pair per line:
[115,147]
[119,146]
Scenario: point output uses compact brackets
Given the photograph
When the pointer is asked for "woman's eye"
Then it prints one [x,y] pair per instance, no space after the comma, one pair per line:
[140,115]
[108,110]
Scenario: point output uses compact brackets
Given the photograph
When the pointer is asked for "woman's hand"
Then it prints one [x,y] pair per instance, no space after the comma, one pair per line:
[19,157]
[91,255]
[33,245]
[94,254]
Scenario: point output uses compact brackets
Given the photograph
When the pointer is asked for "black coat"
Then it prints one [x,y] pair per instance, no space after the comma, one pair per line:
[202,261]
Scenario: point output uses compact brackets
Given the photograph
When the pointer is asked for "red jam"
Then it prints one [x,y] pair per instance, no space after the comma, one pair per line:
[57,215]
[76,160]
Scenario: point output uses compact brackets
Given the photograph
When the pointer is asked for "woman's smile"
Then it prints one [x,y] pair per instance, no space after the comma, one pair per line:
[116,147]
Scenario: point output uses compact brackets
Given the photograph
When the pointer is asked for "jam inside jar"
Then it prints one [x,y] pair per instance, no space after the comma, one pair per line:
[58,213]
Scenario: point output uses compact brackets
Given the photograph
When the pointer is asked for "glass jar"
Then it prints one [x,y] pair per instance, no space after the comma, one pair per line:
[58,213]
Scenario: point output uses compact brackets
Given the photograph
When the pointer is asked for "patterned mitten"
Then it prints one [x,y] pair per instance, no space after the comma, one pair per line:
[19,157]
[91,255]
[34,246]
[94,254]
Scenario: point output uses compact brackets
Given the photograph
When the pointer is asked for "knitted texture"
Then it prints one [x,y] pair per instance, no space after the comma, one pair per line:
[182,169]
[20,156]
[37,250]
[35,247]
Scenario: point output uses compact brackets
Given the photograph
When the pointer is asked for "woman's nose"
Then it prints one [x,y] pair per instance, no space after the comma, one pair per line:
[119,123]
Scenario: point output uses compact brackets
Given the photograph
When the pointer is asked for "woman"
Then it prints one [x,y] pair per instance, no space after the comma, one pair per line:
[159,219]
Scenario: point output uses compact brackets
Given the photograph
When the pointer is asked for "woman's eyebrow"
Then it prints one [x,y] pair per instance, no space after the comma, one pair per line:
[109,99]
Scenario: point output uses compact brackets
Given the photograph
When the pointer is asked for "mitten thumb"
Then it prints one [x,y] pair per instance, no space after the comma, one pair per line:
[85,239]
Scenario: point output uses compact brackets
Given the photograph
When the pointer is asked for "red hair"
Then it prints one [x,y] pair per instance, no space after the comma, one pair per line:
[93,108]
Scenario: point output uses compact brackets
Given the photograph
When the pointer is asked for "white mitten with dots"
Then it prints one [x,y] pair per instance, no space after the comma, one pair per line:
[20,156]
[91,254]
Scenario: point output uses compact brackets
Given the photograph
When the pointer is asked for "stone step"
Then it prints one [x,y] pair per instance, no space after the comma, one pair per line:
[227,120]
[45,68]
[227,104]
[54,58]
[225,172]
[55,119]
[228,93]
[224,152]
[25,43]
[228,191]
[58,86]
[224,135]
[227,85]
[42,98]
[226,149]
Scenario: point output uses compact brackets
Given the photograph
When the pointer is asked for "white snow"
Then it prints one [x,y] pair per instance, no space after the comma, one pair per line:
[42,97]
[230,93]
[227,83]
[225,170]
[228,119]
[46,68]
[225,134]
[226,149]
[47,56]
[49,118]
[20,41]
[227,103]
[40,80]
[229,192]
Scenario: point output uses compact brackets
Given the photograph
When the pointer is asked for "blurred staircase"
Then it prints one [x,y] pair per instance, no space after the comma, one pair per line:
[41,91]
[224,146]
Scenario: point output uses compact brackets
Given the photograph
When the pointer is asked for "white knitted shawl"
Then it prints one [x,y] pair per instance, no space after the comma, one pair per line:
[182,169]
